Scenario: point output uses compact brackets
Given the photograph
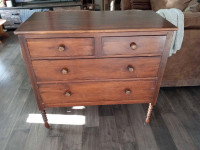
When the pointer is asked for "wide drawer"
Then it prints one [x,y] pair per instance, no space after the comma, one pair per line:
[61,47]
[134,46]
[92,69]
[97,91]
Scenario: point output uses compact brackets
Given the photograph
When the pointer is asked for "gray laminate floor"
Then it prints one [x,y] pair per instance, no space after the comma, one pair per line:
[175,121]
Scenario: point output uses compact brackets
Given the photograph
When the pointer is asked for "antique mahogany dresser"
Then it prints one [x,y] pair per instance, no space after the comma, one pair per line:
[95,58]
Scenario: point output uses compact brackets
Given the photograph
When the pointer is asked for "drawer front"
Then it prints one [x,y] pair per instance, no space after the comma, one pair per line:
[97,91]
[61,47]
[91,69]
[134,46]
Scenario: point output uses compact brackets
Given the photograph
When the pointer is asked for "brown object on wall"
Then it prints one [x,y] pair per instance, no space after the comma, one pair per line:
[165,4]
[90,58]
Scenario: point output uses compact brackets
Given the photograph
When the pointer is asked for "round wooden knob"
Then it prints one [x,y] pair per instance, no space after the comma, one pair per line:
[64,71]
[130,68]
[68,93]
[128,91]
[61,48]
[133,46]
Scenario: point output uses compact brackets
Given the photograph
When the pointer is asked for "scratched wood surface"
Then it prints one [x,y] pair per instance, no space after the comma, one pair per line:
[94,21]
[175,123]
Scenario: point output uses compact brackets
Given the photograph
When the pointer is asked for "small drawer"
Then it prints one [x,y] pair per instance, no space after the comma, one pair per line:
[61,47]
[95,69]
[97,91]
[133,46]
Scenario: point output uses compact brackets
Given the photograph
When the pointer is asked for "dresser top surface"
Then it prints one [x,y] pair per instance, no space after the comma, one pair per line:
[94,21]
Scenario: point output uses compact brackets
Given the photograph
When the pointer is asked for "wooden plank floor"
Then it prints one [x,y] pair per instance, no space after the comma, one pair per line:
[175,123]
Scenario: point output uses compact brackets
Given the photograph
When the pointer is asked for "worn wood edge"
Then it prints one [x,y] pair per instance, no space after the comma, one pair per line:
[163,65]
[95,31]
[91,35]
[99,80]
[97,44]
[30,71]
[93,57]
[62,58]
[96,103]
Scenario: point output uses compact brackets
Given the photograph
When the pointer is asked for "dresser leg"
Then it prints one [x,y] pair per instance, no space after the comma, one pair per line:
[149,113]
[44,116]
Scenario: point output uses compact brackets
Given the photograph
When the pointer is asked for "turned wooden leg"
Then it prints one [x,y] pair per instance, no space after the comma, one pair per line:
[44,116]
[149,113]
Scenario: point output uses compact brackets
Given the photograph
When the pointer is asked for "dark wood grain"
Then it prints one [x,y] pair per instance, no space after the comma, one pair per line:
[92,116]
[178,131]
[87,21]
[83,80]
[143,134]
[125,132]
[27,59]
[96,69]
[145,45]
[163,64]
[97,34]
[91,134]
[108,137]
[97,91]
[50,47]
[159,128]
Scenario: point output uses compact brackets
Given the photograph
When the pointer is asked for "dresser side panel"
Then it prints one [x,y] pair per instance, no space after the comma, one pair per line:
[163,62]
[26,57]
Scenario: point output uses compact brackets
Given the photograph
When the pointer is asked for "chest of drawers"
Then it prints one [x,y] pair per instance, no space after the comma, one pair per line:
[95,58]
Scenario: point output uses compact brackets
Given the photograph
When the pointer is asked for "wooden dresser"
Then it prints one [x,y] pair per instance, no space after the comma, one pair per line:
[95,58]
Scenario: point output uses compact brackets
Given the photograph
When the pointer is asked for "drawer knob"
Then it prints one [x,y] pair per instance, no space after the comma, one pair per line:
[128,91]
[133,46]
[61,48]
[68,93]
[130,68]
[65,71]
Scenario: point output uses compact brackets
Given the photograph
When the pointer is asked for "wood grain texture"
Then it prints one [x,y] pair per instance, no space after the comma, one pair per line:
[97,34]
[91,134]
[50,47]
[125,132]
[108,137]
[97,91]
[92,116]
[96,69]
[163,62]
[145,45]
[87,21]
[27,59]
[108,85]
[143,134]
